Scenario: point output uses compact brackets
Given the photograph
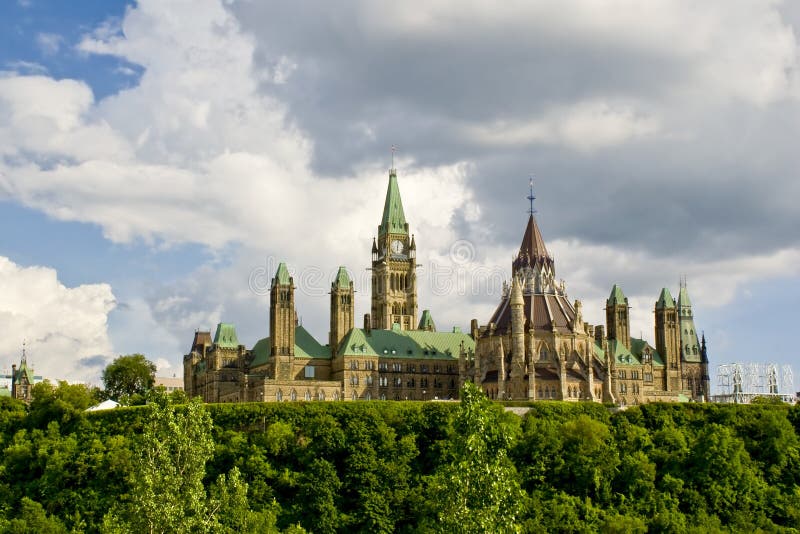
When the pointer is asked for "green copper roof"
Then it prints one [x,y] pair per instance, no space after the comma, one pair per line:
[665,300]
[406,344]
[281,275]
[683,298]
[393,220]
[342,280]
[305,346]
[616,297]
[261,352]
[426,322]
[226,337]
[623,356]
[638,347]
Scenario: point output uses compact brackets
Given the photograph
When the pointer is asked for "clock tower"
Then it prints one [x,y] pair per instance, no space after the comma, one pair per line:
[394,262]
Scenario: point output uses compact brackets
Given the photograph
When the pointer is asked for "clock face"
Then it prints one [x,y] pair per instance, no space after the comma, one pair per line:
[397,246]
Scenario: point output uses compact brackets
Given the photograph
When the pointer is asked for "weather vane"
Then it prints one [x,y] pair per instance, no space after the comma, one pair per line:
[531,198]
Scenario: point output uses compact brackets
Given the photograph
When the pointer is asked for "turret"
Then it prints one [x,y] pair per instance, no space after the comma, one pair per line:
[617,317]
[282,323]
[668,339]
[342,309]
[517,387]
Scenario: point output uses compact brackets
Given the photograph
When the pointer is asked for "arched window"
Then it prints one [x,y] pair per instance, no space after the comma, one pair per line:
[368,396]
[279,396]
[336,395]
[321,395]
[543,354]
[308,395]
[294,395]
[354,396]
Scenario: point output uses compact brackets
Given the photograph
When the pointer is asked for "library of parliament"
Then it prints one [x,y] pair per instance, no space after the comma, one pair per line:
[534,346]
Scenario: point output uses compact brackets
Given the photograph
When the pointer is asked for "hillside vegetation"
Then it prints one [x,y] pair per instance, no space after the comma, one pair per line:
[396,466]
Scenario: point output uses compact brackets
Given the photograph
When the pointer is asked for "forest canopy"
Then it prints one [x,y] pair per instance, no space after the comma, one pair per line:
[396,466]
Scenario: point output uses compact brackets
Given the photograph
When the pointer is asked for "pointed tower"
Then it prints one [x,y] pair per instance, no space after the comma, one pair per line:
[517,388]
[342,309]
[691,349]
[282,323]
[533,263]
[394,279]
[617,318]
[426,322]
[668,339]
[22,378]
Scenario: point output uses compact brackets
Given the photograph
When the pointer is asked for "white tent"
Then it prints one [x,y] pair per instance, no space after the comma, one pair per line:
[105,405]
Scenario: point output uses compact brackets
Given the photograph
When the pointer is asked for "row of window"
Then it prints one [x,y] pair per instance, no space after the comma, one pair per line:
[308,396]
[634,388]
[384,381]
[369,365]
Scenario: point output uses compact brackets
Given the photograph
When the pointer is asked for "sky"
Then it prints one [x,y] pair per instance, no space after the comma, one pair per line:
[158,159]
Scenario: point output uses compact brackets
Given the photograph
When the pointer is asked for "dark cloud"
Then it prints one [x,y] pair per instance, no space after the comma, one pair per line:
[713,181]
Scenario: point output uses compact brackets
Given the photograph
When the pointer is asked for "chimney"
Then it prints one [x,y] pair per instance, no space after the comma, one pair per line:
[367,324]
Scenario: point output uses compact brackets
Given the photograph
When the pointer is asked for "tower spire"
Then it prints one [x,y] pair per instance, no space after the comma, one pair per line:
[531,198]
[24,355]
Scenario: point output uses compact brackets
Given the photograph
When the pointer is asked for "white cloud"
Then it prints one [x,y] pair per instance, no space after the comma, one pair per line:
[585,126]
[49,43]
[62,325]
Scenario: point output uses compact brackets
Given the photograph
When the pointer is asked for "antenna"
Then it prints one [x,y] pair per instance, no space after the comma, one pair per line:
[531,198]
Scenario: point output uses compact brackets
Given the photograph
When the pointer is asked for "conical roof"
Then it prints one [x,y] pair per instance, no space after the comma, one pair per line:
[683,298]
[616,297]
[532,250]
[281,275]
[426,322]
[665,300]
[342,280]
[394,219]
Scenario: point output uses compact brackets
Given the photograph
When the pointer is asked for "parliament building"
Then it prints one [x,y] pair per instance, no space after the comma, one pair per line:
[535,345]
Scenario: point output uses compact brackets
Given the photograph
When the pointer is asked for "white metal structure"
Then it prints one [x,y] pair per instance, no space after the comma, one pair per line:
[742,382]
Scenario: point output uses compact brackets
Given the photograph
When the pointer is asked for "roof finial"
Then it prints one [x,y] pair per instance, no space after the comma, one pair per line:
[394,149]
[24,356]
[531,198]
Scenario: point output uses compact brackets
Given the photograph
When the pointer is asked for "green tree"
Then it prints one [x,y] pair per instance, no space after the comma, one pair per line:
[167,492]
[32,519]
[478,491]
[128,376]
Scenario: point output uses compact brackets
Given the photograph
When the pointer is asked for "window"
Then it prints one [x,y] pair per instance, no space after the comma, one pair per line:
[279,396]
[309,371]
[411,383]
[369,380]
[353,380]
[368,396]
[321,396]
[294,395]
[398,382]
[308,396]
[353,365]
[622,375]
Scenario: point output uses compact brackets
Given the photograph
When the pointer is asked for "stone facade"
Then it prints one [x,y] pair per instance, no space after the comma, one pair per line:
[535,346]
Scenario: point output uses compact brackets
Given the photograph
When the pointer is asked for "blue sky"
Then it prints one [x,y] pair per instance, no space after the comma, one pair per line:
[157,157]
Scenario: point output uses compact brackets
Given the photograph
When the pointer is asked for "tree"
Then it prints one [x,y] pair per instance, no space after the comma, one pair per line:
[129,375]
[167,492]
[478,491]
